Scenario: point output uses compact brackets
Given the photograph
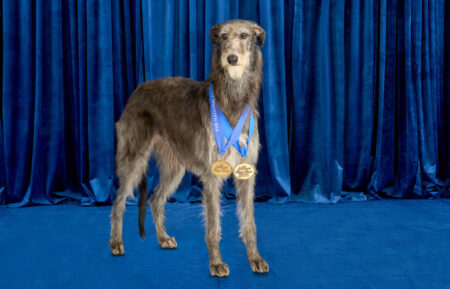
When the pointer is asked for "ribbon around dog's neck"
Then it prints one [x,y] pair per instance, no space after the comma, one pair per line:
[224,134]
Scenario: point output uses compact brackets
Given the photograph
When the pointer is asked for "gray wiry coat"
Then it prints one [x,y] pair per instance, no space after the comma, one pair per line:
[169,119]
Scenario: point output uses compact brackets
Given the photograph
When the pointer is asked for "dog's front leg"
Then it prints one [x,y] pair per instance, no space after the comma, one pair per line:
[211,203]
[245,190]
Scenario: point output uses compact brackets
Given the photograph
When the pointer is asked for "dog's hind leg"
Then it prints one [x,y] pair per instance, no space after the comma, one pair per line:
[245,190]
[211,203]
[133,152]
[171,173]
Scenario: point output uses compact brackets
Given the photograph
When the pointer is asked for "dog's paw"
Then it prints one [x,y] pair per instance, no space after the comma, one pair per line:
[259,265]
[219,270]
[168,243]
[117,248]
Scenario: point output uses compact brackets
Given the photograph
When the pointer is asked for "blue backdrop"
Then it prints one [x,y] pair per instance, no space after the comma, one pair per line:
[354,101]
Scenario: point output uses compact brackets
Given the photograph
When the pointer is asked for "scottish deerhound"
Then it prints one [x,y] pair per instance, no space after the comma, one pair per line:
[169,119]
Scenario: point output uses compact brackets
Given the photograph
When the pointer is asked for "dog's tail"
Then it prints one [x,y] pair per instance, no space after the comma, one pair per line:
[142,206]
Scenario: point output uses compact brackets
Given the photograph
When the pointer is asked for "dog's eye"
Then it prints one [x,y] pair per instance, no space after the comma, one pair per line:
[243,35]
[224,36]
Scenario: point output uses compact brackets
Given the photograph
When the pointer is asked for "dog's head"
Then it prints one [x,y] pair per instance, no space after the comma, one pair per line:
[237,41]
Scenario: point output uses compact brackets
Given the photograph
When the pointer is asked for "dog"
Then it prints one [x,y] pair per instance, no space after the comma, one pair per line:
[169,119]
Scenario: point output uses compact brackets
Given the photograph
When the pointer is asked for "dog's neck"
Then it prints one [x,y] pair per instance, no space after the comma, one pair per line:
[233,95]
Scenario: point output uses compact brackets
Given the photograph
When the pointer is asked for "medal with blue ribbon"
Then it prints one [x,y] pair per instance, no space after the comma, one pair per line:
[226,137]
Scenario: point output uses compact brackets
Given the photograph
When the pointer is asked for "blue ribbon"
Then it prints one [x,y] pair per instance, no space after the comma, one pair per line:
[224,134]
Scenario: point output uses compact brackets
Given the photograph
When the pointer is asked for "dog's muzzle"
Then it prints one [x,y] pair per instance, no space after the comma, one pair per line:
[232,59]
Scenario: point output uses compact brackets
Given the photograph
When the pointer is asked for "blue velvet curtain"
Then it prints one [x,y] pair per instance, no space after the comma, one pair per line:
[355,99]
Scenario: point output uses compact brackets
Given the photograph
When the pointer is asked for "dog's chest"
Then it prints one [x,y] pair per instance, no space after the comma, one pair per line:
[232,155]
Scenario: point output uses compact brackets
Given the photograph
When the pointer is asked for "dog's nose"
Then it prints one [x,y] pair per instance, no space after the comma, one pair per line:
[232,59]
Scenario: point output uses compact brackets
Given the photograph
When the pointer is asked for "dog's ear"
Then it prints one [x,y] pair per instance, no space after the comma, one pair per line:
[214,34]
[260,33]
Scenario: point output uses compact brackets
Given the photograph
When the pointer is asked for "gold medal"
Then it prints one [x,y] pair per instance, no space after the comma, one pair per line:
[244,171]
[221,168]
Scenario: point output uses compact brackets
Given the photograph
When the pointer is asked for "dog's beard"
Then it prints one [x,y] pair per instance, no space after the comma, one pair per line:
[235,71]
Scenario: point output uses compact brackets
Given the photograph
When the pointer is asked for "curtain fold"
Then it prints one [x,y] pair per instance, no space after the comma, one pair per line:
[354,103]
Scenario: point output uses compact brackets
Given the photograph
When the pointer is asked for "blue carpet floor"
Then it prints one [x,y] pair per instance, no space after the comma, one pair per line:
[376,244]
